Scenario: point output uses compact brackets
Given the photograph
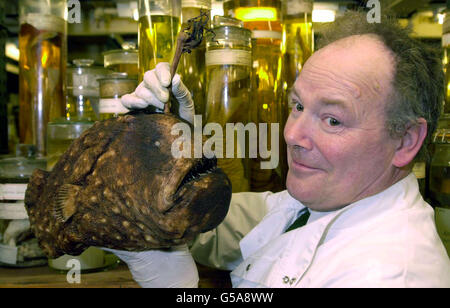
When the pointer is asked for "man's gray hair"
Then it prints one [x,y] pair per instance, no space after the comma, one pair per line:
[419,83]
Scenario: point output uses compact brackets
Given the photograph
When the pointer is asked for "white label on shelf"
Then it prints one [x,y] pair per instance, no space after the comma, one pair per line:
[12,191]
[293,7]
[445,39]
[442,217]
[419,170]
[45,22]
[229,56]
[267,34]
[8,254]
[205,4]
[13,211]
[111,105]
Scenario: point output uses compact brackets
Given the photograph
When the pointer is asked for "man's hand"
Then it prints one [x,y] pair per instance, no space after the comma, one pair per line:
[153,90]
[171,268]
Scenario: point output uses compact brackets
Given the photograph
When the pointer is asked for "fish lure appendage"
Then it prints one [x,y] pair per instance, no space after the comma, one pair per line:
[196,28]
[188,39]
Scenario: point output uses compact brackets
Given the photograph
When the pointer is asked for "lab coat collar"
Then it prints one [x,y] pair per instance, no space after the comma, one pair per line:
[273,224]
[288,208]
[400,196]
[269,239]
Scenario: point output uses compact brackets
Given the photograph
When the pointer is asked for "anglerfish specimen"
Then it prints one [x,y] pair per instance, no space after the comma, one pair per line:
[119,186]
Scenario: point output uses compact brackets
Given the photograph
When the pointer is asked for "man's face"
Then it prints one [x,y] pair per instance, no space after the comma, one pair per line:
[339,150]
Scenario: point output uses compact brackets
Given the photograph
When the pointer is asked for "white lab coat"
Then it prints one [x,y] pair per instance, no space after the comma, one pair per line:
[386,240]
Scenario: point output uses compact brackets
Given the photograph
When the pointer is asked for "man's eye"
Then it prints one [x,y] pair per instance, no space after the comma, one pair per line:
[299,106]
[333,122]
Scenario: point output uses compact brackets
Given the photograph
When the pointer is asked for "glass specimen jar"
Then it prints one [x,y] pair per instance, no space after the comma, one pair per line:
[446,58]
[439,184]
[298,38]
[18,246]
[42,65]
[112,88]
[192,65]
[228,67]
[159,24]
[60,135]
[263,18]
[83,90]
[122,61]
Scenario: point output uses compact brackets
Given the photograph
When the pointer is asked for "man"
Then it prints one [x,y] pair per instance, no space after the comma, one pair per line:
[363,106]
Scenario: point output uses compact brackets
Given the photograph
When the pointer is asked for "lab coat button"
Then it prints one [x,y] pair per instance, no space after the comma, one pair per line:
[248,267]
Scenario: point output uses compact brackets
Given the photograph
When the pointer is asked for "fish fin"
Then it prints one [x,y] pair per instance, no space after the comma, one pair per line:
[66,204]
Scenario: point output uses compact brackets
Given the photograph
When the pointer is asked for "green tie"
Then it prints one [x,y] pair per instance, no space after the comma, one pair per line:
[301,221]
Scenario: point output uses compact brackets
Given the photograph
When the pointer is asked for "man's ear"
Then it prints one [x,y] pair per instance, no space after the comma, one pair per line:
[410,143]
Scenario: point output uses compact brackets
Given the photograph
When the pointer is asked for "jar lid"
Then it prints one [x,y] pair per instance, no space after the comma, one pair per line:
[83,62]
[23,165]
[223,21]
[86,66]
[116,76]
[64,129]
[117,84]
[196,3]
[120,56]
[121,52]
[293,7]
[229,31]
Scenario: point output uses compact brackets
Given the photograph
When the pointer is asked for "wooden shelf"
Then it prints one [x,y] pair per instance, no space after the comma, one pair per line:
[118,277]
[44,277]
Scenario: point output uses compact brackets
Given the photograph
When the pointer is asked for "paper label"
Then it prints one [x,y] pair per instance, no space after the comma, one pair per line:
[228,56]
[45,22]
[111,105]
[293,7]
[419,170]
[442,217]
[445,39]
[12,191]
[267,34]
[196,3]
[8,254]
[13,211]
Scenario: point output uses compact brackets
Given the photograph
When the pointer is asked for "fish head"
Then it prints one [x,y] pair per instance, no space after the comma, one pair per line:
[190,194]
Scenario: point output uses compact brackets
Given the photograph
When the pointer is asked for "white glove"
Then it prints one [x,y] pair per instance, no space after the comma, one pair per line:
[153,91]
[172,268]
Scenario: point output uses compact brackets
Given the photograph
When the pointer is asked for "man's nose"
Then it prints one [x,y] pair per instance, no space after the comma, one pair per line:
[299,131]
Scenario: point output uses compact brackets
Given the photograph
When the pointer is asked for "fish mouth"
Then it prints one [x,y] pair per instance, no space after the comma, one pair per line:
[202,168]
[204,193]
